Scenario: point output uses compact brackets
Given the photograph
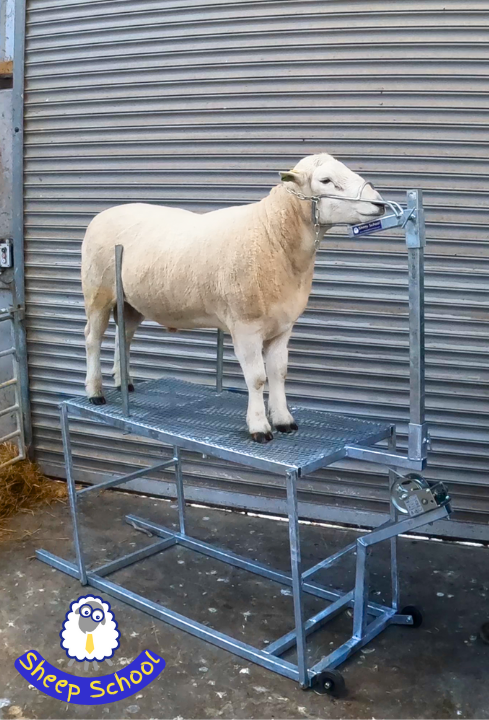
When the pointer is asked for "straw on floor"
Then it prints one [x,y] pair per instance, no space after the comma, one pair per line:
[23,486]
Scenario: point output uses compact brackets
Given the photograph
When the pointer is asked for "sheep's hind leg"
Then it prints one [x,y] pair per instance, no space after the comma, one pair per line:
[248,346]
[97,322]
[276,357]
[132,320]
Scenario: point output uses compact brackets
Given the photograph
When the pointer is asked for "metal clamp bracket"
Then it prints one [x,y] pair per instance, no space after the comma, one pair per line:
[382,456]
[387,222]
[418,441]
[415,228]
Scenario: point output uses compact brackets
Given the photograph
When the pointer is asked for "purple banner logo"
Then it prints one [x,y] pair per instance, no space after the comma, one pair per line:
[86,691]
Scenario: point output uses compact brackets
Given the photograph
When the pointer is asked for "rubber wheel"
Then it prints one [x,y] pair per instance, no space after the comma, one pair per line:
[415,613]
[329,682]
[484,633]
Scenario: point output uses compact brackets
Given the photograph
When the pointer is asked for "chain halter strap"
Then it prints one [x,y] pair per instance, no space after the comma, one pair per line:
[397,210]
[314,213]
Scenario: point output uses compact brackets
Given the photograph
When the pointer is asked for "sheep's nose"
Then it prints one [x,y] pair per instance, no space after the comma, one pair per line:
[378,201]
[377,197]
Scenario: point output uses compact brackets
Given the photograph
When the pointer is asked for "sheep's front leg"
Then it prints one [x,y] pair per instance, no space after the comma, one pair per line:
[276,358]
[248,346]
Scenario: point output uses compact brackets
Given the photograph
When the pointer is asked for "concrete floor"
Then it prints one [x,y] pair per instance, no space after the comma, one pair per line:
[437,671]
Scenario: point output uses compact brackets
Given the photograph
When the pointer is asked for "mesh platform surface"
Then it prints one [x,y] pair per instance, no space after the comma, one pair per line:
[197,418]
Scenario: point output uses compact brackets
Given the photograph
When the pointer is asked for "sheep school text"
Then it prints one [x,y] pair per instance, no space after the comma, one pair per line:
[89,691]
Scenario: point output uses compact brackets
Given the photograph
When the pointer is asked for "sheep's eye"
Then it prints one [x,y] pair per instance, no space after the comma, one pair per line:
[326,181]
[97,615]
[85,610]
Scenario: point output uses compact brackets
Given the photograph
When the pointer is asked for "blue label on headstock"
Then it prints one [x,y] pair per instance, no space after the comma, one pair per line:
[365,228]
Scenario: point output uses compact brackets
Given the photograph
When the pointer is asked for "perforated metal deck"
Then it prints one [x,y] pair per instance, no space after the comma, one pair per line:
[215,423]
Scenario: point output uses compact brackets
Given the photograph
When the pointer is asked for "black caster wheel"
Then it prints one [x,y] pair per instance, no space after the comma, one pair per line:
[415,614]
[329,682]
[484,633]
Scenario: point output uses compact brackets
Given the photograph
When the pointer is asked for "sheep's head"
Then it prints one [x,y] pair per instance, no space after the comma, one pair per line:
[91,616]
[317,175]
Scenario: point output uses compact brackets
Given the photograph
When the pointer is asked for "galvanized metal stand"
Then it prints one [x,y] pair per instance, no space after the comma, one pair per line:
[199,418]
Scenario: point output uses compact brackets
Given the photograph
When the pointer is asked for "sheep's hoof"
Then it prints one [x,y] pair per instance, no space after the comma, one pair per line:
[130,387]
[261,437]
[97,400]
[287,428]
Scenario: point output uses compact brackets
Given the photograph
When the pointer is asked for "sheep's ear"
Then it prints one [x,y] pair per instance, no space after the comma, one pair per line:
[102,622]
[291,176]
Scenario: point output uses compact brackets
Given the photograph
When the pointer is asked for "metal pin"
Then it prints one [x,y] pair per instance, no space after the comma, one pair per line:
[121,330]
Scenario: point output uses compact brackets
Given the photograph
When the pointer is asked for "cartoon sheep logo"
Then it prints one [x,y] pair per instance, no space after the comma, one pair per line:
[90,630]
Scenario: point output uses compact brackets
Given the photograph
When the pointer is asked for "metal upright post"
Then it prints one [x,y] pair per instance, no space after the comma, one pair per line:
[65,432]
[180,489]
[415,241]
[18,289]
[295,561]
[361,590]
[121,329]
[220,360]
[393,514]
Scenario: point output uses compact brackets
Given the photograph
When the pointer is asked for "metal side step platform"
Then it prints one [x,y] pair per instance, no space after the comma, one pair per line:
[197,418]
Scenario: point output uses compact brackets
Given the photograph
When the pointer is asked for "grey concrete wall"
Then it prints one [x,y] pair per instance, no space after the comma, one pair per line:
[6,396]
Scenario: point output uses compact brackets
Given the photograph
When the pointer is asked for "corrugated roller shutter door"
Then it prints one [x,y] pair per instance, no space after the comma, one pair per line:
[197,105]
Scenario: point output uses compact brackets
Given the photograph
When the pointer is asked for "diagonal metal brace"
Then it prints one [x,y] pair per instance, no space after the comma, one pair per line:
[390,530]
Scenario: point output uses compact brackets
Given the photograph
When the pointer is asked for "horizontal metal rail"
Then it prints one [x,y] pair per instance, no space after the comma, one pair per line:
[10,436]
[125,478]
[131,558]
[321,618]
[8,383]
[12,461]
[8,410]
[383,457]
[339,655]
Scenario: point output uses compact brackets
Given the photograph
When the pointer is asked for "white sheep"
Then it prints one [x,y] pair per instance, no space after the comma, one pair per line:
[90,630]
[246,270]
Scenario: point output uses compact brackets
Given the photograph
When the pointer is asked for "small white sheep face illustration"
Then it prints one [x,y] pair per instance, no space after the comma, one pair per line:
[90,630]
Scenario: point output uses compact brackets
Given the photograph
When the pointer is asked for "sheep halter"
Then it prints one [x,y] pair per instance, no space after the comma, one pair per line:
[315,206]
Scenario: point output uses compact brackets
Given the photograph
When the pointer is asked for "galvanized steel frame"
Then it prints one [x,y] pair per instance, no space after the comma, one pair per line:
[299,581]
[358,598]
